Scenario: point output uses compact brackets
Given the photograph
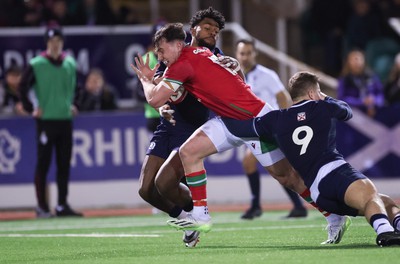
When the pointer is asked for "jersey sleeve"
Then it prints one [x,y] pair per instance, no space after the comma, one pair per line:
[264,125]
[179,73]
[240,128]
[339,109]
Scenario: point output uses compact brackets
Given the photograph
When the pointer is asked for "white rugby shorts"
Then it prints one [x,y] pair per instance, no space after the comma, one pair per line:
[223,140]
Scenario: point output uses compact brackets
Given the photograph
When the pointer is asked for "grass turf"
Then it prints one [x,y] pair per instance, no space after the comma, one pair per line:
[147,239]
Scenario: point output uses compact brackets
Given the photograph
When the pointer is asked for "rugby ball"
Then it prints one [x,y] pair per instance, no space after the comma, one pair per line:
[178,96]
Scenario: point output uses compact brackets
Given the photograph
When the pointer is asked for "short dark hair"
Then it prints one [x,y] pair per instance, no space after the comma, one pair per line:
[53,32]
[301,82]
[169,32]
[210,13]
[246,42]
[14,68]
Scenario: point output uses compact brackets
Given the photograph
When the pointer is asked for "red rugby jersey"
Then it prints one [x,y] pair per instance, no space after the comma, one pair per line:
[218,88]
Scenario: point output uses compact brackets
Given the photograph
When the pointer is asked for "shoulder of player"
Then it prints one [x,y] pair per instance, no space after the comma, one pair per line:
[260,70]
[264,70]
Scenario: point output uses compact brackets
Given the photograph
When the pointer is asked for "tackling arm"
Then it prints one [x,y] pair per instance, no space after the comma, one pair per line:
[342,110]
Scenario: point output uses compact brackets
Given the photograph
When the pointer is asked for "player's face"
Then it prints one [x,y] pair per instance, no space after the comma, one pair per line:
[168,52]
[55,46]
[246,55]
[205,34]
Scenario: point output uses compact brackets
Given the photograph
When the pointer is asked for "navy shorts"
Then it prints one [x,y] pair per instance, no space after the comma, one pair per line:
[189,115]
[333,187]
[167,139]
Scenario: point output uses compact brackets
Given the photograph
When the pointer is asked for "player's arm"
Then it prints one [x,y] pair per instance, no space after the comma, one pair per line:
[241,128]
[158,95]
[340,109]
[255,127]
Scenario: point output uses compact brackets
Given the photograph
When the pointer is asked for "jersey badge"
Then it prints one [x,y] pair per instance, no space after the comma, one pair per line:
[301,116]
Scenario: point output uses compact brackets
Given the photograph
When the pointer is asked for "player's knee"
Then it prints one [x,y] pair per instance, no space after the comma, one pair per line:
[161,185]
[185,153]
[144,192]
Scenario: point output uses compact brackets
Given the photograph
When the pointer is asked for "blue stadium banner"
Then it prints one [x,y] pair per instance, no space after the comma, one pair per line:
[107,146]
[111,146]
[111,49]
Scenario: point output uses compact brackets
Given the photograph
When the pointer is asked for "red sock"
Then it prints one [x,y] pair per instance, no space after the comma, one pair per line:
[306,195]
[197,182]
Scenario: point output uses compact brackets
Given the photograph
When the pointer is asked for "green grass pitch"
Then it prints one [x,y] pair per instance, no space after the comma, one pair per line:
[147,239]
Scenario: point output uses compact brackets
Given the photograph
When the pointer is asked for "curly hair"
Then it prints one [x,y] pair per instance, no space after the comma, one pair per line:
[210,13]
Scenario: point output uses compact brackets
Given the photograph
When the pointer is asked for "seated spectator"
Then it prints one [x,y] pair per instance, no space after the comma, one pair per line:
[363,25]
[392,87]
[10,102]
[97,94]
[57,13]
[94,12]
[127,15]
[33,13]
[358,85]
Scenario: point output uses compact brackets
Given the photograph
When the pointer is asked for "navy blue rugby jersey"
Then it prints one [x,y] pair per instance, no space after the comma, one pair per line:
[306,133]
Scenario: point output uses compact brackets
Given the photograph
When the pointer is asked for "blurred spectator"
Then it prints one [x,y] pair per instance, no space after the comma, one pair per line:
[94,12]
[10,102]
[358,85]
[127,16]
[328,21]
[388,9]
[11,13]
[97,94]
[19,13]
[33,13]
[392,88]
[57,13]
[364,25]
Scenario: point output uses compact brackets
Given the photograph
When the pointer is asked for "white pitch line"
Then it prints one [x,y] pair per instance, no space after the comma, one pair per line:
[78,235]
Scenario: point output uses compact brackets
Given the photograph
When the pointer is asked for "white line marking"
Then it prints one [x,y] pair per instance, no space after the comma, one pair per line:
[78,235]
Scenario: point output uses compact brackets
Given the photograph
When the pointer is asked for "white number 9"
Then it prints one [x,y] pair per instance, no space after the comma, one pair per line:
[303,142]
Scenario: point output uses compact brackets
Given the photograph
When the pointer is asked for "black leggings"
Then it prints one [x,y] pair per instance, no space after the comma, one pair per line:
[49,134]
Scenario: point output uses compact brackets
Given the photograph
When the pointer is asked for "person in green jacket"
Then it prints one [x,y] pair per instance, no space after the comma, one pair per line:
[52,76]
